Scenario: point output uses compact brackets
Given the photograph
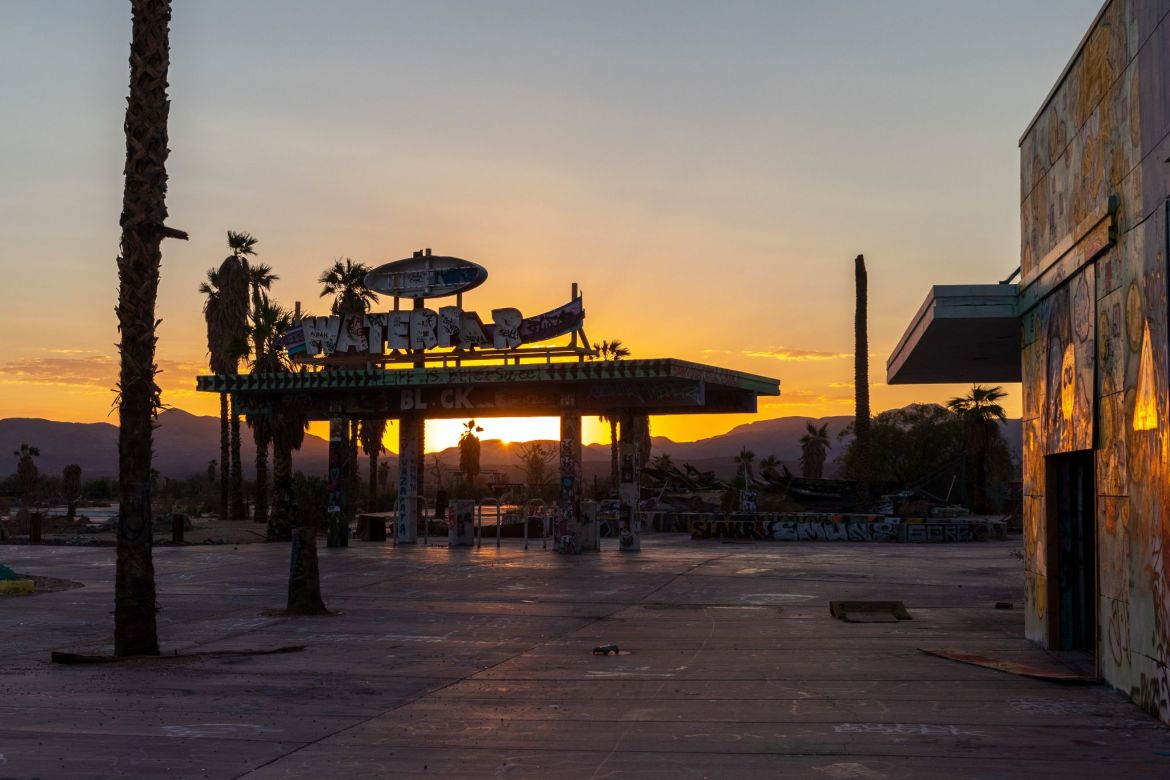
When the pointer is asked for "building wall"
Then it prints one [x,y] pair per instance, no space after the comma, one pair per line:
[1095,176]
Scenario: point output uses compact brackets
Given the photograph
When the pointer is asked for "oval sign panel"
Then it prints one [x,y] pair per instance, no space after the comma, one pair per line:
[426,276]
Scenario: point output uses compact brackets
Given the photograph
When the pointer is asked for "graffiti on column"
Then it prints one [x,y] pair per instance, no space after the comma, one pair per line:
[338,454]
[409,482]
[633,427]
[568,515]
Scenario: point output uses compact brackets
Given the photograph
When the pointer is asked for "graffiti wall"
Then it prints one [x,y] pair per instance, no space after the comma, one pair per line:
[815,527]
[1094,186]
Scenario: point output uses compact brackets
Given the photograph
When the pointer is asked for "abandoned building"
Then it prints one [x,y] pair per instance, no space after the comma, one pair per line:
[1084,329]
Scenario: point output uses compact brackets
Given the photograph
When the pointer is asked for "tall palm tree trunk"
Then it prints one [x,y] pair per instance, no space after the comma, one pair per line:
[373,492]
[280,519]
[144,213]
[225,458]
[613,451]
[260,512]
[239,511]
[861,381]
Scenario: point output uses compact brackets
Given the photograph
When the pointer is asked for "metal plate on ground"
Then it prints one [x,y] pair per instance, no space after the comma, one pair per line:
[869,611]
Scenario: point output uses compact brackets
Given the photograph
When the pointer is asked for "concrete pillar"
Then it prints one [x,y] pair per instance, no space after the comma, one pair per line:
[634,428]
[337,530]
[569,501]
[410,477]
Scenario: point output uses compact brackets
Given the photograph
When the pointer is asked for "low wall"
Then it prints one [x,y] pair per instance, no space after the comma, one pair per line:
[823,527]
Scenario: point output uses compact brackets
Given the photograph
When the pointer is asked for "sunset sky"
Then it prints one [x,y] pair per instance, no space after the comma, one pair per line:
[705,171]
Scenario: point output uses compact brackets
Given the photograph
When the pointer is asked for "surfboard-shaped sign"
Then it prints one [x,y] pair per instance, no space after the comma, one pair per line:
[426,276]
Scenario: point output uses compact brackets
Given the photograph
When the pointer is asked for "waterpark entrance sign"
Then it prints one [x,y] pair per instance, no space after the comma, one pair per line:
[418,278]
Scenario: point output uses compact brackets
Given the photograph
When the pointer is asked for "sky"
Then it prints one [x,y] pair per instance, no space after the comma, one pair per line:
[706,171]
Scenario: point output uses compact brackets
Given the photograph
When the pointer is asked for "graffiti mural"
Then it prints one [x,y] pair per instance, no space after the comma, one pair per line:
[1094,239]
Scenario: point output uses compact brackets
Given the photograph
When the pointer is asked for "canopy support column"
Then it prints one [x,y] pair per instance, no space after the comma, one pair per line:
[634,428]
[569,500]
[410,477]
[337,530]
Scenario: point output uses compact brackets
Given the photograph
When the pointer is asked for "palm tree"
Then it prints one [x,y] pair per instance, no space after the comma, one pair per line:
[469,452]
[981,413]
[71,488]
[27,474]
[612,350]
[268,321]
[288,434]
[234,288]
[768,467]
[373,430]
[217,364]
[260,279]
[743,464]
[814,446]
[143,218]
[346,282]
[861,379]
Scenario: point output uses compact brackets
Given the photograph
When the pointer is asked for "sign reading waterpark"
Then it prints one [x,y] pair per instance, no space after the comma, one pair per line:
[421,328]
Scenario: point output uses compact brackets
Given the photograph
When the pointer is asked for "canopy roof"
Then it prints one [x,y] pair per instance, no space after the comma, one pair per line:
[665,386]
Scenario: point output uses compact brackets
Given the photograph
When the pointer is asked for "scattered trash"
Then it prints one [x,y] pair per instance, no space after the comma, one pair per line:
[606,650]
[1004,605]
[1011,667]
[869,611]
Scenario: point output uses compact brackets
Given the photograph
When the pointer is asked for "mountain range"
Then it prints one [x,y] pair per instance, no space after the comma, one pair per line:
[184,443]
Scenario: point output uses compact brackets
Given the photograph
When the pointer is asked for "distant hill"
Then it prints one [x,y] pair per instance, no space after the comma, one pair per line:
[184,443]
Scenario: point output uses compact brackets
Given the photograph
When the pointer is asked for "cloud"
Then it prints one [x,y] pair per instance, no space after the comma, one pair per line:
[806,398]
[796,355]
[783,353]
[65,367]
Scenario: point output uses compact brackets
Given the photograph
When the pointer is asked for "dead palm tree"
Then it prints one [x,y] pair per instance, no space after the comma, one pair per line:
[373,430]
[981,413]
[144,213]
[814,446]
[861,380]
[612,350]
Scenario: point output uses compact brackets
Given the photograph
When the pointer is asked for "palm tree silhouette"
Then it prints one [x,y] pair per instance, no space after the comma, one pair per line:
[814,446]
[768,467]
[612,350]
[743,462]
[268,322]
[373,430]
[345,280]
[981,413]
[144,212]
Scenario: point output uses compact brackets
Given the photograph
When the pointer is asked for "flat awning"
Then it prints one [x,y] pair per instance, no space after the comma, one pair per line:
[962,333]
[666,386]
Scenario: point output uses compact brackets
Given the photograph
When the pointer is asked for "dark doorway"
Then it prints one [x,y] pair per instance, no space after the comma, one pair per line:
[1072,557]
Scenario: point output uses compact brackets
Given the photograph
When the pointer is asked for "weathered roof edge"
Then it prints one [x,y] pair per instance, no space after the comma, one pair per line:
[1064,73]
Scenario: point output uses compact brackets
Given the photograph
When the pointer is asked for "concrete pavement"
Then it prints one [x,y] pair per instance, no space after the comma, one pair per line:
[465,663]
